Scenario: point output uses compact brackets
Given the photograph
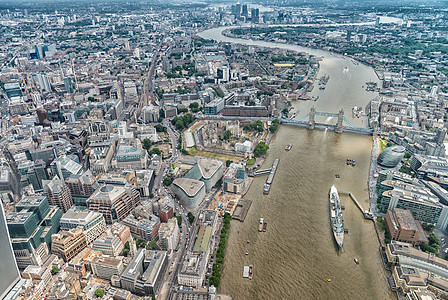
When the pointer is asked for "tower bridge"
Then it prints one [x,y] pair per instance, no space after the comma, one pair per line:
[342,124]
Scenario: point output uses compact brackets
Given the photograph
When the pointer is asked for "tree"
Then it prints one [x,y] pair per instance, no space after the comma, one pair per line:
[99,293]
[194,106]
[407,155]
[184,151]
[273,128]
[155,151]
[285,111]
[261,149]
[160,128]
[54,270]
[167,181]
[434,240]
[179,221]
[151,195]
[153,245]
[255,126]
[140,243]
[190,217]
[228,162]
[428,249]
[227,135]
[428,227]
[389,144]
[406,170]
[126,252]
[146,144]
[381,223]
[162,113]
[179,124]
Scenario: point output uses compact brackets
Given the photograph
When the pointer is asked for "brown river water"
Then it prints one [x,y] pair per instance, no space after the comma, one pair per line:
[297,255]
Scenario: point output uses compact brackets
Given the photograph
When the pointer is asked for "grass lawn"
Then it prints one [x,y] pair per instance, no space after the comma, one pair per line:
[382,145]
[250,162]
[224,157]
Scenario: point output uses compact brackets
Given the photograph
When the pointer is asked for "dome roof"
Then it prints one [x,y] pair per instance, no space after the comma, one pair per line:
[391,156]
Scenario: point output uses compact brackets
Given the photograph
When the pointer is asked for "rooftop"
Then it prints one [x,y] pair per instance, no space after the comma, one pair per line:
[77,216]
[154,259]
[410,192]
[405,249]
[203,239]
[125,150]
[18,218]
[108,192]
[209,167]
[110,261]
[405,219]
[70,165]
[55,185]
[190,186]
[193,264]
[31,201]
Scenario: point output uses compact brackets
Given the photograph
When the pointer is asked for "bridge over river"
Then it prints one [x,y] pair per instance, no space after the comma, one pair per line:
[342,125]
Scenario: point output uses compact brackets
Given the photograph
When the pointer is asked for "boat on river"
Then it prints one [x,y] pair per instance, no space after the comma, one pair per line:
[251,273]
[336,218]
[288,147]
[246,272]
[260,225]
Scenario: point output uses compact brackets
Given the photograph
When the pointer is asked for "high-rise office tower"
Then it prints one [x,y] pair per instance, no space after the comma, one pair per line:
[440,136]
[238,11]
[42,80]
[233,9]
[349,35]
[68,84]
[9,272]
[58,193]
[244,11]
[30,228]
[255,15]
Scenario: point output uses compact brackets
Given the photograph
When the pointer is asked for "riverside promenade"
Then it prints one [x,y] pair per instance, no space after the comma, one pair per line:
[372,180]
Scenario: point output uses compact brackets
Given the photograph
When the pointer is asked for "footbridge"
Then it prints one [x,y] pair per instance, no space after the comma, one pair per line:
[342,125]
[260,172]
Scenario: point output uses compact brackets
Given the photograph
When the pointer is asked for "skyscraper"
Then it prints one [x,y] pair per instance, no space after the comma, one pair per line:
[238,11]
[245,12]
[9,273]
[68,84]
[349,35]
[58,193]
[440,136]
[255,15]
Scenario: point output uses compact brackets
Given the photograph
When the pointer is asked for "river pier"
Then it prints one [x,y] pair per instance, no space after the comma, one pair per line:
[366,214]
[267,185]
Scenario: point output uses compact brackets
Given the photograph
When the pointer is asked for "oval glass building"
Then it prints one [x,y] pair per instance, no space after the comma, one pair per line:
[391,156]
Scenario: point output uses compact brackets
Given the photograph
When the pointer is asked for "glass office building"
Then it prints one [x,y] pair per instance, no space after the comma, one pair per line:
[9,273]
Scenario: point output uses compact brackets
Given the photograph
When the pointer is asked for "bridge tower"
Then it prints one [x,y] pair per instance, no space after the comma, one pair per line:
[311,118]
[339,127]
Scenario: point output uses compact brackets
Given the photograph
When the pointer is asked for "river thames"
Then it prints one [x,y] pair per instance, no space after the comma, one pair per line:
[297,255]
